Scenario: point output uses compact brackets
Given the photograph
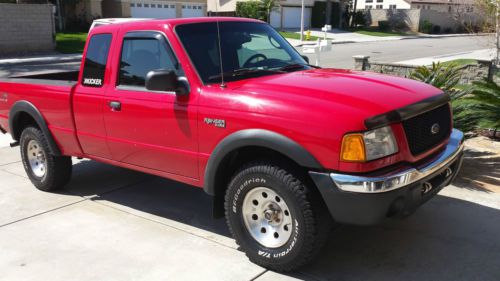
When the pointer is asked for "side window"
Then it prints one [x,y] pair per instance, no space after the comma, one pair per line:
[140,56]
[95,60]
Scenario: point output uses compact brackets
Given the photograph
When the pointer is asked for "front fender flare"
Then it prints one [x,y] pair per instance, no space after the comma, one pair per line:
[259,138]
[28,108]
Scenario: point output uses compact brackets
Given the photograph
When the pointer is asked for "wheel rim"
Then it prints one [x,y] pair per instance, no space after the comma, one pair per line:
[36,158]
[267,217]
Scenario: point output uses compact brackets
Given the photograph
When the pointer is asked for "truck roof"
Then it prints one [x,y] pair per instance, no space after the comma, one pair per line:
[173,22]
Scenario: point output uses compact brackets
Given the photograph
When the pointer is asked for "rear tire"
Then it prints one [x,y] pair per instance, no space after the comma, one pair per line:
[276,219]
[46,171]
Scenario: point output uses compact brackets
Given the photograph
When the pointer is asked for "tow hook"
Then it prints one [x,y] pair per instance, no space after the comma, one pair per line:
[427,186]
[447,172]
[14,144]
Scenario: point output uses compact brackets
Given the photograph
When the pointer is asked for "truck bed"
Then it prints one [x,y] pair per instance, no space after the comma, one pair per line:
[50,93]
[51,78]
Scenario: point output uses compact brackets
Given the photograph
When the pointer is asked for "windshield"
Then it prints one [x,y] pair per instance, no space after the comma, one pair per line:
[248,49]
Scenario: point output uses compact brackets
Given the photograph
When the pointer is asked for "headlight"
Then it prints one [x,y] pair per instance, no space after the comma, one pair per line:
[374,144]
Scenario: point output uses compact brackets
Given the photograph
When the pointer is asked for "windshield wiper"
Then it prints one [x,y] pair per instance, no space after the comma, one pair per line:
[294,66]
[243,72]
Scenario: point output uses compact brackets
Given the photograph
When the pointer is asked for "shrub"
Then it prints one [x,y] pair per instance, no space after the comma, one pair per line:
[384,25]
[426,27]
[359,18]
[436,29]
[249,9]
[400,26]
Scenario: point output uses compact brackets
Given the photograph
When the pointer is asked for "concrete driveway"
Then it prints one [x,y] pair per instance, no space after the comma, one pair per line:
[115,224]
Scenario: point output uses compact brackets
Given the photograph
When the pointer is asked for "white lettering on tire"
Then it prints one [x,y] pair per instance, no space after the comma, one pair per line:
[243,185]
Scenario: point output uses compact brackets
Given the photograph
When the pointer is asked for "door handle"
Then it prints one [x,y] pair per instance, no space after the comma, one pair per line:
[115,105]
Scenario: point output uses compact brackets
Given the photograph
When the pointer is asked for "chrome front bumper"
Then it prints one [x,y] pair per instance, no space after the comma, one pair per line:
[399,179]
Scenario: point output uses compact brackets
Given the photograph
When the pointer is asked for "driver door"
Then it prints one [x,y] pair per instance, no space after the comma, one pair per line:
[155,130]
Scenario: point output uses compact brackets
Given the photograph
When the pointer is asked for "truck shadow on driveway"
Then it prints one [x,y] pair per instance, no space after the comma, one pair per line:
[446,239]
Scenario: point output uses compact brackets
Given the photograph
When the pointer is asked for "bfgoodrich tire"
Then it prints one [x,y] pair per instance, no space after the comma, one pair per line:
[277,220]
[46,171]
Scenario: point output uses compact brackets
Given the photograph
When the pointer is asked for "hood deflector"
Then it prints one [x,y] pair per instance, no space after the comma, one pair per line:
[407,112]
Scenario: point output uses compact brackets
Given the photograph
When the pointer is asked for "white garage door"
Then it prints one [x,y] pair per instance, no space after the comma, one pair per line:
[192,10]
[291,17]
[156,10]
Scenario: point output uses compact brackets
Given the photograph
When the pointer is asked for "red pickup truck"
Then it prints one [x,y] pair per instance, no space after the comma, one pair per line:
[227,105]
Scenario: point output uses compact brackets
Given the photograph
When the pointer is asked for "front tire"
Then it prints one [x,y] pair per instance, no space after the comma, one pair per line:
[46,171]
[278,221]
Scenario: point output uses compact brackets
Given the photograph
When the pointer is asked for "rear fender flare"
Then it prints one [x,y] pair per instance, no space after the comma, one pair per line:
[28,108]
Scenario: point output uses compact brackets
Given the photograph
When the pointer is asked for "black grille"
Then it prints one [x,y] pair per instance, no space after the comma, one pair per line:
[423,133]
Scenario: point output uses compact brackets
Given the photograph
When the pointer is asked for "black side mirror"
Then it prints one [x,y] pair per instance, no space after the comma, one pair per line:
[306,58]
[165,80]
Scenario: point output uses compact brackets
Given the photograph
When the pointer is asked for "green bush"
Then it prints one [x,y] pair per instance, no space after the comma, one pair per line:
[426,27]
[384,25]
[249,9]
[436,29]
[474,105]
[359,18]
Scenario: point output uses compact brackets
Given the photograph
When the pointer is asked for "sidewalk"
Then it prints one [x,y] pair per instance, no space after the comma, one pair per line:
[343,37]
[484,54]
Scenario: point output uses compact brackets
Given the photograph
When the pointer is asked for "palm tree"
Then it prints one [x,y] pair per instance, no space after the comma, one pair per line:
[444,77]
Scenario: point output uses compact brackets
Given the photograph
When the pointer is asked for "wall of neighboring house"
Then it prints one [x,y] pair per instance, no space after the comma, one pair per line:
[26,28]
[445,8]
[162,8]
[382,4]
[414,17]
[411,17]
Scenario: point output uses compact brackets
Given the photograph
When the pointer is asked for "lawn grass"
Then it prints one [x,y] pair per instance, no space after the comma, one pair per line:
[374,31]
[459,62]
[69,43]
[294,35]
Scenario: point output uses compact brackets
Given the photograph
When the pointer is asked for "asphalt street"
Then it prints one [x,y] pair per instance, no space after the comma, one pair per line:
[400,50]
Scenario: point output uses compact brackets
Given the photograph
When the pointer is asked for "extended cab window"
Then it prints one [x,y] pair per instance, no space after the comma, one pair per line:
[140,56]
[95,60]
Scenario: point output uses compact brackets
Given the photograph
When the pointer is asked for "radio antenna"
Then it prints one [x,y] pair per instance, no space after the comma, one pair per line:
[222,84]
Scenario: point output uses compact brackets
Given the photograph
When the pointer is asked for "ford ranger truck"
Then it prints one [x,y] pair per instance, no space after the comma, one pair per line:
[228,105]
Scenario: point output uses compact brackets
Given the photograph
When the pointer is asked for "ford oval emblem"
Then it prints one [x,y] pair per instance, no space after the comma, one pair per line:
[435,128]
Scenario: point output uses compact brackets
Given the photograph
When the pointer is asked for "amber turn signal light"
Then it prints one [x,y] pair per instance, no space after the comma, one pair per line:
[353,148]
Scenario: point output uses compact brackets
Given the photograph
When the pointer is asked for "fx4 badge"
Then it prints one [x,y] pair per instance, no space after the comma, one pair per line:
[219,123]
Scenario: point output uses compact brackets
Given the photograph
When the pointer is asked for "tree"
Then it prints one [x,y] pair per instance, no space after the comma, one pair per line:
[267,7]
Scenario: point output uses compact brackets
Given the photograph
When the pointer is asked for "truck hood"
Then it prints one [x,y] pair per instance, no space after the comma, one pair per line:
[338,92]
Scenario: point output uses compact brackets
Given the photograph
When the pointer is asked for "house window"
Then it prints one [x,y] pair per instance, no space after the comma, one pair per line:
[139,5]
[449,9]
[132,5]
[368,7]
[380,6]
[369,1]
[380,1]
[393,7]
[153,5]
[172,6]
[146,5]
